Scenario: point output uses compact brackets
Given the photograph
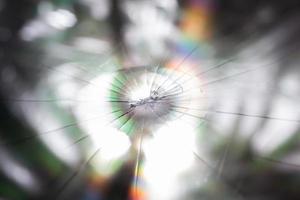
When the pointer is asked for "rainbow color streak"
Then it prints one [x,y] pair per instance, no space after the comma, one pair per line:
[137,189]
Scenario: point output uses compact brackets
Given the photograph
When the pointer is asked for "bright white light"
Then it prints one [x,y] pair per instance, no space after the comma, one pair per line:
[173,144]
[112,142]
[61,19]
[140,92]
[168,155]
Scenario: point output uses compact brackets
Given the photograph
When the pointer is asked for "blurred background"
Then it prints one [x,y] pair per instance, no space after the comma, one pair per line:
[55,57]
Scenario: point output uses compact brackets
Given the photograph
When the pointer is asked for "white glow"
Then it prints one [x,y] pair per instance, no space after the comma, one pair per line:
[18,173]
[64,81]
[275,133]
[98,8]
[140,92]
[47,23]
[44,121]
[61,19]
[151,29]
[35,29]
[92,45]
[112,142]
[168,155]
